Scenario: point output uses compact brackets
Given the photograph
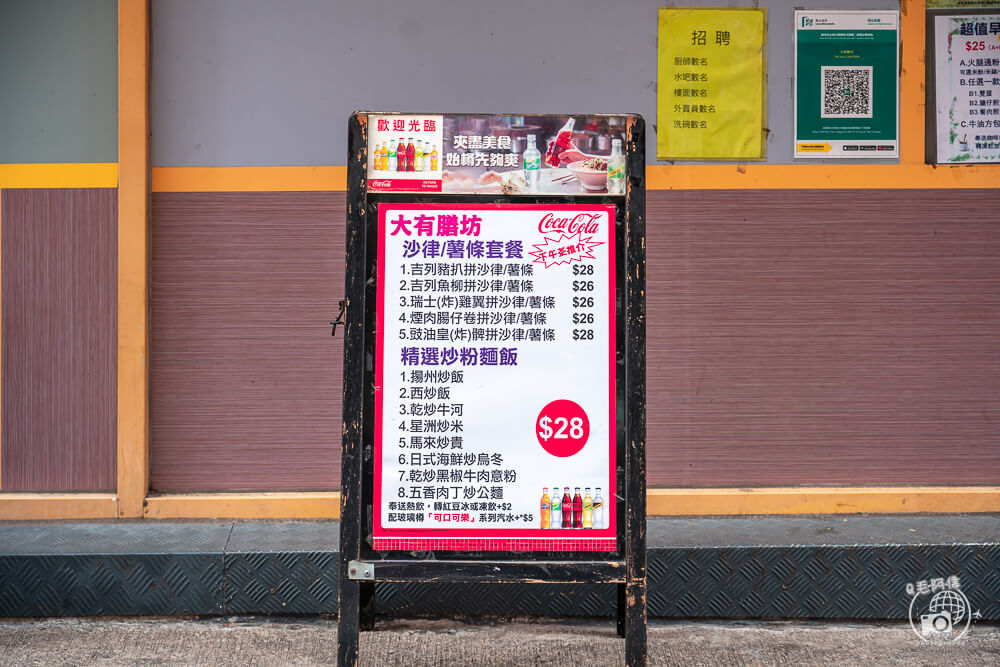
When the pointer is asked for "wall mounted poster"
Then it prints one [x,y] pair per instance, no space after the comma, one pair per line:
[965,4]
[967,88]
[846,84]
[495,355]
[711,87]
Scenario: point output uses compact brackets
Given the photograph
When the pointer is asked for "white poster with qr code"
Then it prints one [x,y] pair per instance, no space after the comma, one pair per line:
[847,84]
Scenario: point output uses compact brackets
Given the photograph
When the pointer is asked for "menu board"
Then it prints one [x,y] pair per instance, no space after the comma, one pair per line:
[500,154]
[495,402]
[967,88]
[846,84]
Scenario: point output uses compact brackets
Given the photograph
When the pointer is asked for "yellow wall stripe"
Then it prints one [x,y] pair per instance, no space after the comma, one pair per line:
[660,502]
[86,175]
[53,506]
[658,177]
[823,500]
[822,177]
[133,256]
[319,505]
[1,342]
[249,179]
[912,104]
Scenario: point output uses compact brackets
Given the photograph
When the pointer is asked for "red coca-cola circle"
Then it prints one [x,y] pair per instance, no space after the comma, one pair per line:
[562,428]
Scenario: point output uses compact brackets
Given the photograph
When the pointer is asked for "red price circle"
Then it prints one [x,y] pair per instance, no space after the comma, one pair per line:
[562,428]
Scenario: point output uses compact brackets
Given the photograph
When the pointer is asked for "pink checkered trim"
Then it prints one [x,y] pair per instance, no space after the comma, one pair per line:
[510,544]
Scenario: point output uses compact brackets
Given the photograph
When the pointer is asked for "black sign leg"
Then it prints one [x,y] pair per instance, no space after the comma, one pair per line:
[635,559]
[635,460]
[635,631]
[620,615]
[367,603]
[348,621]
[351,524]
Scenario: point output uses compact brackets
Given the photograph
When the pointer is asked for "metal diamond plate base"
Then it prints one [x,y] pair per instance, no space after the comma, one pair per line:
[110,585]
[281,583]
[721,568]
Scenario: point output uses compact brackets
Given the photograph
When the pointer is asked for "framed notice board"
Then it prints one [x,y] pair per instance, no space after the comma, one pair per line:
[494,362]
[963,94]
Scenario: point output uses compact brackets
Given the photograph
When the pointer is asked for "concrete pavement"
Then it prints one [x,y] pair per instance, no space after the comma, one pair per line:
[301,641]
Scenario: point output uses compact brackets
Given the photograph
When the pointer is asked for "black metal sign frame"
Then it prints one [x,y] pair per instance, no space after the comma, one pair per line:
[360,565]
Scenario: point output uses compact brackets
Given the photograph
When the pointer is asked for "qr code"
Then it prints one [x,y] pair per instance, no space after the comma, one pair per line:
[846,92]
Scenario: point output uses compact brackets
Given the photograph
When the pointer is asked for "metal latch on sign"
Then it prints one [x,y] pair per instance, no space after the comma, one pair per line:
[357,569]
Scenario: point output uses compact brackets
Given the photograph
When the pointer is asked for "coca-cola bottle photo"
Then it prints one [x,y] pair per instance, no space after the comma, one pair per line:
[562,142]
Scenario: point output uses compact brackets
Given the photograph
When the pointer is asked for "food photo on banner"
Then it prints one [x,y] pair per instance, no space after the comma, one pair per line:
[509,155]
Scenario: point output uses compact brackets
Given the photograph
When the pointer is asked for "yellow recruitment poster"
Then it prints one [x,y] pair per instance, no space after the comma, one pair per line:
[710,94]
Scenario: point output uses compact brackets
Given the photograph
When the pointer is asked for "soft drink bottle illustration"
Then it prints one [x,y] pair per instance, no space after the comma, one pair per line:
[401,156]
[434,167]
[377,158]
[392,155]
[546,508]
[577,508]
[532,164]
[384,161]
[556,508]
[616,169]
[410,154]
[588,509]
[567,509]
[598,509]
[418,157]
[561,143]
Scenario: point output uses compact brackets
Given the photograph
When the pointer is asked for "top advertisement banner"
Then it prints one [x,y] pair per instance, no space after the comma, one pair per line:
[498,154]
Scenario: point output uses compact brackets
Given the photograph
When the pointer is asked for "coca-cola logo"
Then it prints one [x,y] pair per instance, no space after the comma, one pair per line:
[586,223]
[380,184]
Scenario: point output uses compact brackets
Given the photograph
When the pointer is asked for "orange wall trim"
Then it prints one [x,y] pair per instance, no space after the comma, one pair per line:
[912,105]
[820,177]
[85,175]
[57,506]
[823,500]
[1,346]
[249,179]
[304,505]
[133,256]
[658,177]
[660,502]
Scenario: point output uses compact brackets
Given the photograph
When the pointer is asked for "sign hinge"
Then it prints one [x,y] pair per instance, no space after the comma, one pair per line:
[357,569]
